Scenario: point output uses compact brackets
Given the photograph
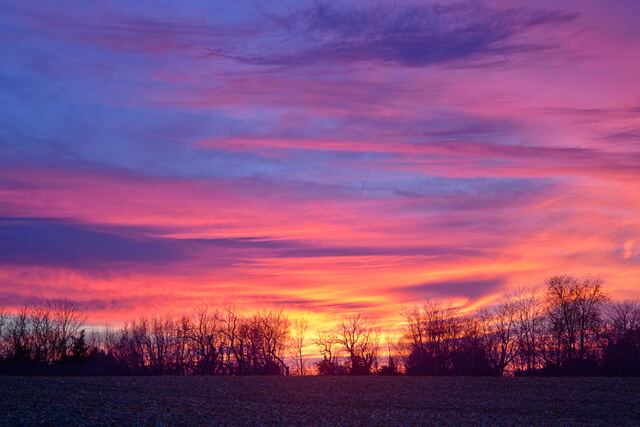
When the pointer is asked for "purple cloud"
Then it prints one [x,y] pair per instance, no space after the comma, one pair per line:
[407,34]
[470,288]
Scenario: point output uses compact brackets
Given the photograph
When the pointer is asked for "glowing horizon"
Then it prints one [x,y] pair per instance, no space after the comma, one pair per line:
[325,158]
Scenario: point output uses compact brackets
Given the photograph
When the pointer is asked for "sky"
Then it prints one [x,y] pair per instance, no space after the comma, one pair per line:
[321,157]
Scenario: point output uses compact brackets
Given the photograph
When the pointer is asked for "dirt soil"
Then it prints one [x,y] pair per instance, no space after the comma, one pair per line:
[167,401]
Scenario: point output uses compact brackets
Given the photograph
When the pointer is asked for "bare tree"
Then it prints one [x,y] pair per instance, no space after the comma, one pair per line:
[433,333]
[233,332]
[44,335]
[391,367]
[360,341]
[622,350]
[327,346]
[529,317]
[4,323]
[67,324]
[623,317]
[206,335]
[273,329]
[575,310]
[298,338]
[499,332]
[19,336]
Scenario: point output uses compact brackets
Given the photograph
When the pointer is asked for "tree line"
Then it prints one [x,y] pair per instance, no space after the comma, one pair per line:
[572,328]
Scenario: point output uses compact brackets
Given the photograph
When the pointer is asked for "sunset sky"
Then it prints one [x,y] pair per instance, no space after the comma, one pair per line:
[321,157]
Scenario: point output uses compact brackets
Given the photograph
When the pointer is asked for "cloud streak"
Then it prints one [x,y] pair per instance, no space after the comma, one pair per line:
[408,34]
[470,289]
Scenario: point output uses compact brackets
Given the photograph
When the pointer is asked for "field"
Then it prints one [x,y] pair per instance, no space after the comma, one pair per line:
[169,401]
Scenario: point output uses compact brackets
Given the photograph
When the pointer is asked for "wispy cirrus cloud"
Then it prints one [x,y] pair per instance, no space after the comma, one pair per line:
[409,34]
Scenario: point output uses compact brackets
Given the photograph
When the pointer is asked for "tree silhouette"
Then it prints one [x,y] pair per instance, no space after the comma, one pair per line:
[298,339]
[571,330]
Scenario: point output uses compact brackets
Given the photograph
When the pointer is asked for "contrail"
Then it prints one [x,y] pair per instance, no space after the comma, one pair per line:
[366,177]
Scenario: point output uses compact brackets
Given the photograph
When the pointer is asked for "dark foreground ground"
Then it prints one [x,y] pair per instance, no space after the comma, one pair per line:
[169,401]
